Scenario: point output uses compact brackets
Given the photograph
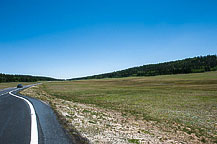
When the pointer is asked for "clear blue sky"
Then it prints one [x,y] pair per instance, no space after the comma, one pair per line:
[73,38]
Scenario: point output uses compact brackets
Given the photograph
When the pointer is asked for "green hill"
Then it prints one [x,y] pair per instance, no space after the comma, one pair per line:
[189,65]
[23,78]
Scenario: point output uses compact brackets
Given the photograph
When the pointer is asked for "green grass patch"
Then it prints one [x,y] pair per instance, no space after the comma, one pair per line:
[93,122]
[135,141]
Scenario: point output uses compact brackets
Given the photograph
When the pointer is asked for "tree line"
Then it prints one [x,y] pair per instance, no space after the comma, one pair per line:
[23,78]
[189,65]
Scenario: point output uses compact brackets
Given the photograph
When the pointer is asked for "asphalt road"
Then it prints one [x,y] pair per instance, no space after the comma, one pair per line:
[17,119]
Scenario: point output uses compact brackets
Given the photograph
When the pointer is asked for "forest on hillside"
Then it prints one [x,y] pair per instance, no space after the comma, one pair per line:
[189,65]
[23,78]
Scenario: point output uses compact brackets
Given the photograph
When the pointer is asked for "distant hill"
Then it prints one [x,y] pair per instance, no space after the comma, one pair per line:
[189,65]
[23,78]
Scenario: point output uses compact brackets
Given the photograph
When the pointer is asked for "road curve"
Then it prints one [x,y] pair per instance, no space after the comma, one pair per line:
[15,120]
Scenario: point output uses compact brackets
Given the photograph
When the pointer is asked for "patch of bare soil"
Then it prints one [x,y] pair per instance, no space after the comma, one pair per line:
[103,126]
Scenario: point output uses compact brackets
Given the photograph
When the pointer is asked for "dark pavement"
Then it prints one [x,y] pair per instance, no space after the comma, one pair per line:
[15,121]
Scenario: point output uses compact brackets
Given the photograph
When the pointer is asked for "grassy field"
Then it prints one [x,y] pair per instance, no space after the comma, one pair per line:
[186,102]
[13,84]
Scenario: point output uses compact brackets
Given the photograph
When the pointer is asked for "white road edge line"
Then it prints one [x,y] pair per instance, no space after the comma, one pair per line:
[34,127]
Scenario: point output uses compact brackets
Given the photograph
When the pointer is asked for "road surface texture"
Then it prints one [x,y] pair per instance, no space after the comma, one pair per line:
[16,121]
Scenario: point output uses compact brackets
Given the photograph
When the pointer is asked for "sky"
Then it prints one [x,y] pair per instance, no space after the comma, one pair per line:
[75,38]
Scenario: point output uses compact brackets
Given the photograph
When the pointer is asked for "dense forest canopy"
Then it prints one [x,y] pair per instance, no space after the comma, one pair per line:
[23,78]
[189,65]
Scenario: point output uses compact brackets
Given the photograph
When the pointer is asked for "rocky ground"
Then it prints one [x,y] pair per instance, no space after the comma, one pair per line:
[107,126]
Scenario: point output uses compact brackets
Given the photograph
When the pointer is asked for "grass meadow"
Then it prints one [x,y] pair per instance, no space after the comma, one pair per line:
[14,84]
[186,102]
